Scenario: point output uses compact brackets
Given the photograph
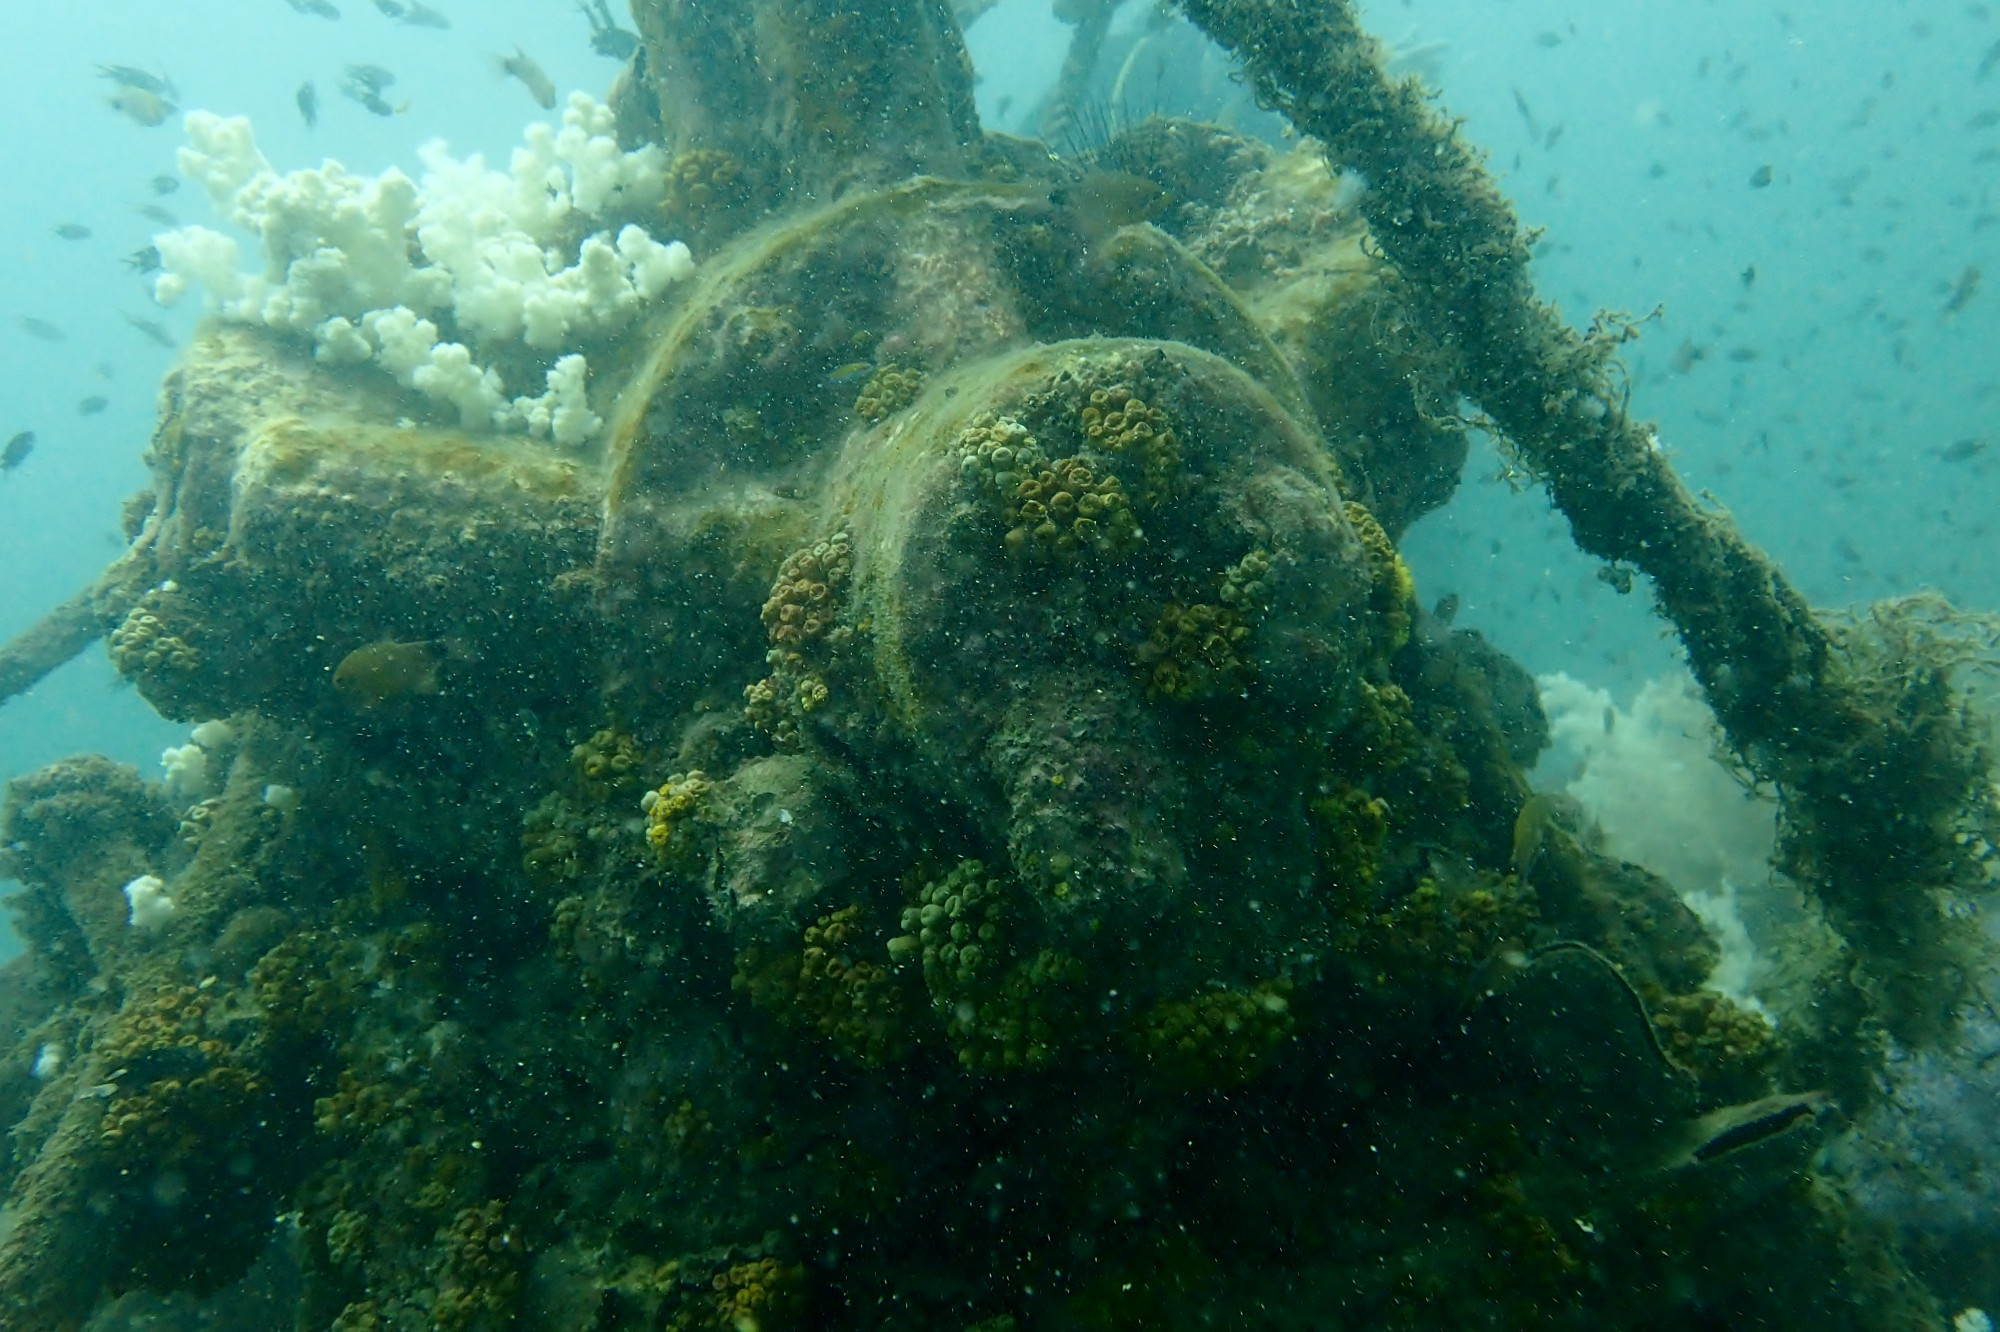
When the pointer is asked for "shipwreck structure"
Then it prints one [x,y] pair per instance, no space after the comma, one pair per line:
[941,811]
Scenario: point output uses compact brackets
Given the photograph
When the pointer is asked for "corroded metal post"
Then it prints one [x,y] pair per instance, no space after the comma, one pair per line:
[810,97]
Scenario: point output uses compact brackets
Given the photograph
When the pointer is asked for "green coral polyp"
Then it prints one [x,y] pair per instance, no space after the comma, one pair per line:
[1004,1009]
[955,929]
[1196,652]
[1218,1039]
[608,764]
[826,987]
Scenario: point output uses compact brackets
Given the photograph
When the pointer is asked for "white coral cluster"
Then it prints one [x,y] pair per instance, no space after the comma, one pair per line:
[1652,779]
[368,267]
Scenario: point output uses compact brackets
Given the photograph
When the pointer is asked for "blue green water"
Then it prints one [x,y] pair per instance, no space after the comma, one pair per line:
[1799,203]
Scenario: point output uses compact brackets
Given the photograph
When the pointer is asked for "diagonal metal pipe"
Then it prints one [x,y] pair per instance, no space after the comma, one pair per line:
[1879,769]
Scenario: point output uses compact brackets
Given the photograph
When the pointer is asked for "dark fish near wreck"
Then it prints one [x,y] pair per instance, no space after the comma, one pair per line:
[73,231]
[165,184]
[17,450]
[307,99]
[388,670]
[41,328]
[144,260]
[1735,1128]
[92,405]
[606,37]
[317,8]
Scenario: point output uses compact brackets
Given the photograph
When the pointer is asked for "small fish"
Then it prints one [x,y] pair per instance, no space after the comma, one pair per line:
[850,372]
[1100,202]
[1762,176]
[1688,355]
[1748,277]
[1527,115]
[140,106]
[364,84]
[387,670]
[416,14]
[17,450]
[1548,41]
[41,328]
[153,330]
[92,405]
[1963,289]
[317,8]
[125,75]
[307,98]
[1546,822]
[1986,119]
[374,78]
[164,185]
[73,231]
[373,101]
[522,66]
[1446,609]
[1987,63]
[390,8]
[1962,450]
[152,212]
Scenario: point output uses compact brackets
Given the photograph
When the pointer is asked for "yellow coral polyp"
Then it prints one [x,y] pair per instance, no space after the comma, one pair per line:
[805,598]
[802,616]
[608,762]
[761,1296]
[1052,510]
[142,644]
[888,391]
[1395,590]
[669,808]
[704,178]
[1118,421]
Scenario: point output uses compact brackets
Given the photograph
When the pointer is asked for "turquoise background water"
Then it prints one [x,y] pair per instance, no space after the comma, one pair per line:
[1819,385]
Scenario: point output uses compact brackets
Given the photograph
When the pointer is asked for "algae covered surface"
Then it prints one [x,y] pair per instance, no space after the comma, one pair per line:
[946,812]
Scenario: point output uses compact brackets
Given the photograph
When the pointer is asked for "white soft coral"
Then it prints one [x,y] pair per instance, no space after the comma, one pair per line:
[362,263]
